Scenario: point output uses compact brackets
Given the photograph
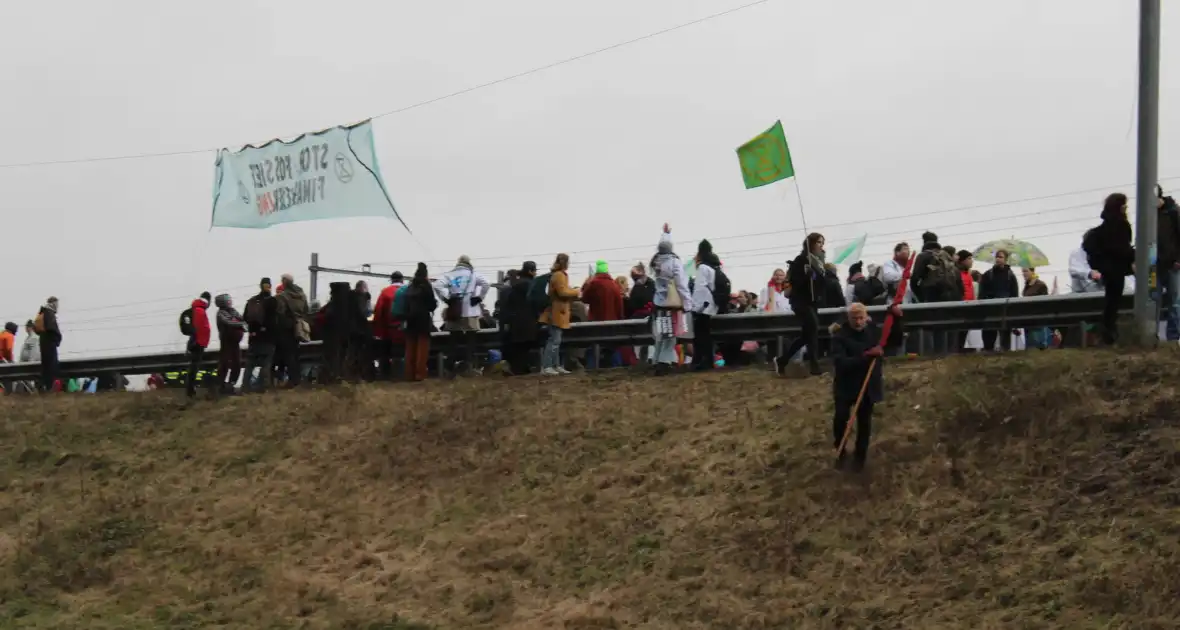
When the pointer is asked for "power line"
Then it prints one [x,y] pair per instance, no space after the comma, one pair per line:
[857,223]
[431,101]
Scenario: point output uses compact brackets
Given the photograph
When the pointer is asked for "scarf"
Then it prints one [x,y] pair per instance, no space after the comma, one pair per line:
[771,290]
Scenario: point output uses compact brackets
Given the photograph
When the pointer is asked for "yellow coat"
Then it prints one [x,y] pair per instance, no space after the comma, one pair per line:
[561,296]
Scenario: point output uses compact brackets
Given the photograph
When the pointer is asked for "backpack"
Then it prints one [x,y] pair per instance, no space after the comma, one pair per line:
[721,290]
[397,311]
[186,323]
[255,314]
[539,292]
[941,274]
[39,324]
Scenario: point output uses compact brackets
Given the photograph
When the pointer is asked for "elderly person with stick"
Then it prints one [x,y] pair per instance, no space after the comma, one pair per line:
[857,351]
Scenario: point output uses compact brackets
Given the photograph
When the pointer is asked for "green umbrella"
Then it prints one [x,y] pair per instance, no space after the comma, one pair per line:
[1020,253]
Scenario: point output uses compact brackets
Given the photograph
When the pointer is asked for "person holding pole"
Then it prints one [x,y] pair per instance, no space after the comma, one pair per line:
[857,352]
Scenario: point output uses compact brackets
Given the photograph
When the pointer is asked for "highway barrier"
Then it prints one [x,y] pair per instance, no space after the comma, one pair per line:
[1053,311]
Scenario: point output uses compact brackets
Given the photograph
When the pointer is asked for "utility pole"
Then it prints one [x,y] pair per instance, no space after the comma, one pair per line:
[1146,213]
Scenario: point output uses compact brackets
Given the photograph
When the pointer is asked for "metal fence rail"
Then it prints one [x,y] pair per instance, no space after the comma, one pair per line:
[1053,311]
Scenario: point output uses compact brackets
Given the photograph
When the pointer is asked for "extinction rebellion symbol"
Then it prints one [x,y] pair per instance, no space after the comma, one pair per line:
[343,168]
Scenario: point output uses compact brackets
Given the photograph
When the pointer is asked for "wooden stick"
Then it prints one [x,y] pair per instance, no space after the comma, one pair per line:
[852,417]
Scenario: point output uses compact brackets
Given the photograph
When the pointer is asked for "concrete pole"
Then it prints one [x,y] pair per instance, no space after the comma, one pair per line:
[314,268]
[1146,324]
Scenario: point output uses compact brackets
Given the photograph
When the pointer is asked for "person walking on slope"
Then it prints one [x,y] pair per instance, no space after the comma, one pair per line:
[261,321]
[708,298]
[462,290]
[230,330]
[49,336]
[421,303]
[671,301]
[1109,252]
[806,275]
[855,345]
[291,327]
[198,340]
[998,283]
[557,316]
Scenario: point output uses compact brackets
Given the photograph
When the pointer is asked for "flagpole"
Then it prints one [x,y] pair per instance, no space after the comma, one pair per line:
[799,196]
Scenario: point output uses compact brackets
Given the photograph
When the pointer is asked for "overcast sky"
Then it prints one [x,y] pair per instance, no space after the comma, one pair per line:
[891,108]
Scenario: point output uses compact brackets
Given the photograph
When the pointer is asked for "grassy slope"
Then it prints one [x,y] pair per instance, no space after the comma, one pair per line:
[1027,492]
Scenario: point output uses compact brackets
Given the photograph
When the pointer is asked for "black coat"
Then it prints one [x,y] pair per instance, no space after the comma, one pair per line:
[518,314]
[833,291]
[345,314]
[1109,249]
[1169,234]
[52,334]
[870,291]
[851,366]
[421,303]
[805,283]
[998,284]
[642,294]
[262,331]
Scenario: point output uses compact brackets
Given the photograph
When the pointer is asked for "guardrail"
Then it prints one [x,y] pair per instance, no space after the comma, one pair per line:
[1054,311]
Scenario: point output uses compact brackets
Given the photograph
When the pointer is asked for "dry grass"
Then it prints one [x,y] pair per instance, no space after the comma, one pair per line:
[1026,492]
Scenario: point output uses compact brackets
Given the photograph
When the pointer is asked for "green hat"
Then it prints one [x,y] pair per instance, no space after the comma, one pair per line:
[601,267]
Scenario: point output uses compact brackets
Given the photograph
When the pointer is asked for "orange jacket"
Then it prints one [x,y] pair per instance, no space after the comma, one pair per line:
[7,343]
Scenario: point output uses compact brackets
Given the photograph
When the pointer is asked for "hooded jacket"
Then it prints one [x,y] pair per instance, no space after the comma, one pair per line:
[1108,246]
[604,298]
[464,283]
[643,293]
[200,323]
[230,325]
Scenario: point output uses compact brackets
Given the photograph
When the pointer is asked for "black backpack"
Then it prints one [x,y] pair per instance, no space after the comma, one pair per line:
[721,290]
[539,292]
[255,314]
[186,323]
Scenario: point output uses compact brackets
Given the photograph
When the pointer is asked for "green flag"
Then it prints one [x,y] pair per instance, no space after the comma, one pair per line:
[766,159]
[851,252]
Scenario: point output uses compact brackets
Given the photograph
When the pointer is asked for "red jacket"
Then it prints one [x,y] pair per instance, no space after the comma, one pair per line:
[604,298]
[385,326]
[201,322]
[968,286]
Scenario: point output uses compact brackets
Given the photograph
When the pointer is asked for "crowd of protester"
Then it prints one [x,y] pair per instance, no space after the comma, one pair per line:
[391,337]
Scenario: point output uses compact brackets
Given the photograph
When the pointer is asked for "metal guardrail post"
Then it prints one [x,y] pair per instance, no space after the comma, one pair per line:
[596,356]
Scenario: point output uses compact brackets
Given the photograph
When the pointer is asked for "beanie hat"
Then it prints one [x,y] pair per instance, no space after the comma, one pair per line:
[396,277]
[601,267]
[528,267]
[206,296]
[264,283]
[11,327]
[929,237]
[705,247]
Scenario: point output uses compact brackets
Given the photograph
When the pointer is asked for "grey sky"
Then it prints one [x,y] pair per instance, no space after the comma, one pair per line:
[891,108]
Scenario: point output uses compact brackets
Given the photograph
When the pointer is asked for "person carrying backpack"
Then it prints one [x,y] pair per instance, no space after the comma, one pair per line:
[388,314]
[261,321]
[194,322]
[49,336]
[936,277]
[705,304]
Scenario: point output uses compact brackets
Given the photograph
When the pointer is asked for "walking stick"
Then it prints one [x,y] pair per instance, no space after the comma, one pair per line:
[852,416]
